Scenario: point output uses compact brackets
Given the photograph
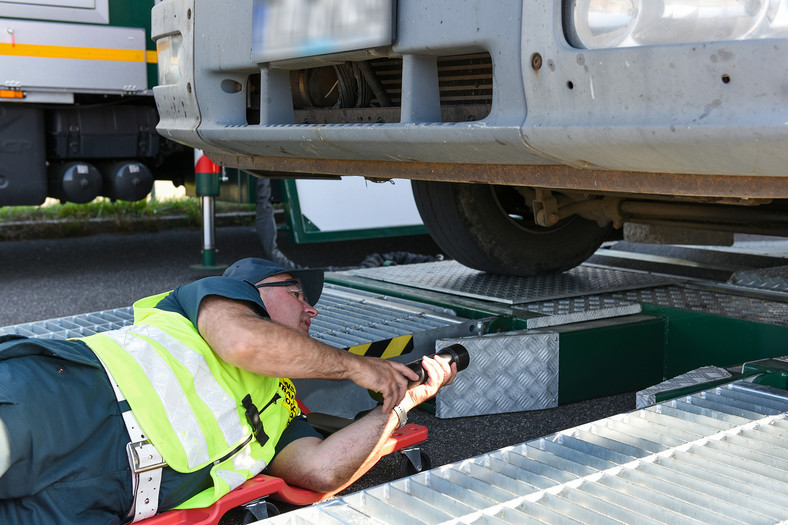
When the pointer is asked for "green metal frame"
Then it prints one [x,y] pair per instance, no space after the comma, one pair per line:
[136,13]
[601,358]
[769,372]
[693,340]
[303,231]
[240,187]
[598,360]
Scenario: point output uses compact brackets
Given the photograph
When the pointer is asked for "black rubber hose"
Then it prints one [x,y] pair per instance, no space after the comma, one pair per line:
[374,82]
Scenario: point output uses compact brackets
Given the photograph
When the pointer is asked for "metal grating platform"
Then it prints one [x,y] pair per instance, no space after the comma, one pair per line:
[351,317]
[346,318]
[719,456]
[453,278]
[74,326]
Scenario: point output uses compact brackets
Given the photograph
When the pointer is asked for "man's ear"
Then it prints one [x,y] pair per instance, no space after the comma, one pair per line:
[260,310]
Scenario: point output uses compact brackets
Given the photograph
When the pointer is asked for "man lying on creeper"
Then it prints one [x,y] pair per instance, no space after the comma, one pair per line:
[196,394]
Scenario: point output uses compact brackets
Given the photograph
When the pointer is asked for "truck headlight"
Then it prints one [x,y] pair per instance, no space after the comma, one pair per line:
[169,50]
[597,24]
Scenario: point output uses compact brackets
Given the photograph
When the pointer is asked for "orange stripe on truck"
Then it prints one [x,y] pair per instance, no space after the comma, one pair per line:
[72,52]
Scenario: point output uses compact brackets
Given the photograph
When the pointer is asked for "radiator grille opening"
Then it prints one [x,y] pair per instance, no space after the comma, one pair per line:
[371,93]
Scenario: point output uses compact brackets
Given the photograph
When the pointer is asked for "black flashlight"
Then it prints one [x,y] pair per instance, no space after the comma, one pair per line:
[455,353]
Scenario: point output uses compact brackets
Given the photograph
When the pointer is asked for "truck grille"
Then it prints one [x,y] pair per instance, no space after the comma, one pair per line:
[464,79]
[465,83]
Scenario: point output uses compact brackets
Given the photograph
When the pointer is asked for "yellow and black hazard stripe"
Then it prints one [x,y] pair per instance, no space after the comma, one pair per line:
[386,348]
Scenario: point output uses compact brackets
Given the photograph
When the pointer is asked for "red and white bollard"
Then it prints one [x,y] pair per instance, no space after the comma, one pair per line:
[207,177]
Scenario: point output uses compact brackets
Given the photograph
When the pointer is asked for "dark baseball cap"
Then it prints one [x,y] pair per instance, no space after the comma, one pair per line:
[253,270]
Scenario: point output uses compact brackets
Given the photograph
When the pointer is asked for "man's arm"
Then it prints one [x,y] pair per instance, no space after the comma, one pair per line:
[242,338]
[332,464]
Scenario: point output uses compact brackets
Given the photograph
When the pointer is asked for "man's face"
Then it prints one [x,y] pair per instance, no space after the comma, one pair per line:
[286,304]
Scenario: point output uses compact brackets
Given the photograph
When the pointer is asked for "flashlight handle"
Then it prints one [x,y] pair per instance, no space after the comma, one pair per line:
[455,353]
[416,367]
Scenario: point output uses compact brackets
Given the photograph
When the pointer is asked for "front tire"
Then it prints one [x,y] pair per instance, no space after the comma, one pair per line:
[490,228]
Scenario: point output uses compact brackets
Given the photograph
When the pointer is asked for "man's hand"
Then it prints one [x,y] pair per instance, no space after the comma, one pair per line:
[439,374]
[332,464]
[390,378]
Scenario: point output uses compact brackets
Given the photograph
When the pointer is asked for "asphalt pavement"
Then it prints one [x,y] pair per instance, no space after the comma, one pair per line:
[44,279]
[47,278]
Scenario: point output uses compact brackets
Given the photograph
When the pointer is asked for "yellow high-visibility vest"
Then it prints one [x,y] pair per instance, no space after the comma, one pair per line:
[190,403]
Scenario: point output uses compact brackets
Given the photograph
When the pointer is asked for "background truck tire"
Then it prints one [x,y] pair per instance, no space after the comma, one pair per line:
[489,228]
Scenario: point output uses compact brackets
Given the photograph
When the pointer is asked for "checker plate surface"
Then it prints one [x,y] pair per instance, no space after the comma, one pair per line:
[698,376]
[453,278]
[705,301]
[774,279]
[508,372]
[577,309]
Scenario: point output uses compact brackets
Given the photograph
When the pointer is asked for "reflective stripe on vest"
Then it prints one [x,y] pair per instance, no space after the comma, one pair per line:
[171,395]
[188,401]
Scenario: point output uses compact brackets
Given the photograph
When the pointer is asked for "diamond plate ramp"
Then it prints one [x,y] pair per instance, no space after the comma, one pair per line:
[711,302]
[773,279]
[699,376]
[453,278]
[508,372]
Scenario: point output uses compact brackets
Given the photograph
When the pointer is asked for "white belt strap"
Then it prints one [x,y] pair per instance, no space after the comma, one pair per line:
[145,461]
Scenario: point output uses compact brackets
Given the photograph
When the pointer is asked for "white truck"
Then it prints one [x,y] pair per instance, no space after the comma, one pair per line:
[529,129]
[77,116]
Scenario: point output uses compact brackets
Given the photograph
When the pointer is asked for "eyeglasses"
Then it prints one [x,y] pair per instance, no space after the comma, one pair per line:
[298,292]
